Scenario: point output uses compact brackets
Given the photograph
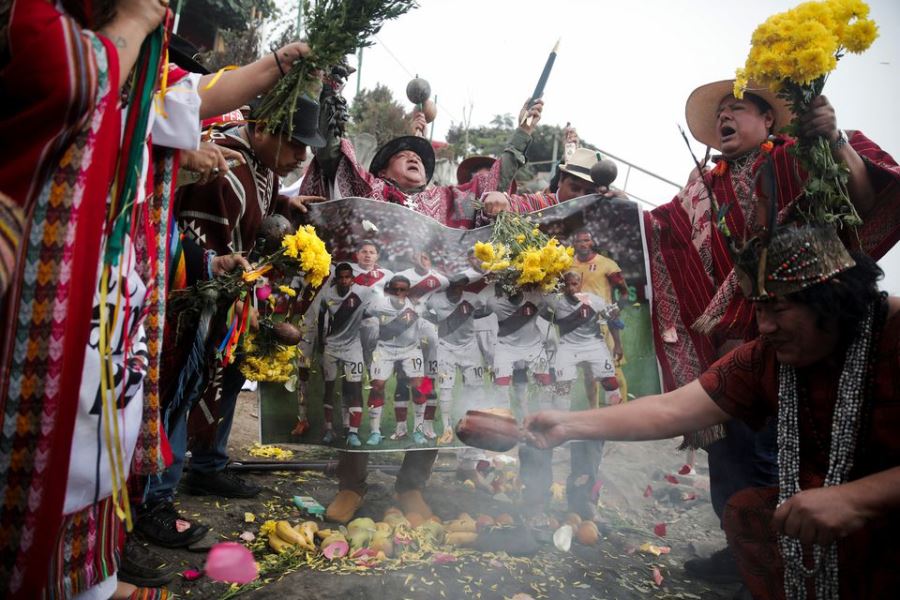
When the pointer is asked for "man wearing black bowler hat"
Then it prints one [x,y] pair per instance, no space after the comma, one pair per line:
[223,217]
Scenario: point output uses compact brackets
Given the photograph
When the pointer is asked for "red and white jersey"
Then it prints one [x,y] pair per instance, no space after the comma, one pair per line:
[376,278]
[518,322]
[422,286]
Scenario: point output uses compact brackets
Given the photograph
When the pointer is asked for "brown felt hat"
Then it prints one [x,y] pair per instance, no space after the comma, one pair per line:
[701,106]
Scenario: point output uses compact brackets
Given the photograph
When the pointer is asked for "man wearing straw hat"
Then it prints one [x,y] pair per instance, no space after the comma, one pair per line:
[698,310]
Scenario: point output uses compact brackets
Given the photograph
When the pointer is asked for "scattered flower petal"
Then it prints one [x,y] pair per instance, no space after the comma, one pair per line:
[191,574]
[657,576]
[660,529]
[648,492]
[672,479]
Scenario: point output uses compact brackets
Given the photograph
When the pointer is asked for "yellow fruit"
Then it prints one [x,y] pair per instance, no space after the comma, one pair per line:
[277,544]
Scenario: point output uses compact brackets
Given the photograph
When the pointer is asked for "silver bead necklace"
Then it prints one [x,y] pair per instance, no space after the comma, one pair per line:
[844,432]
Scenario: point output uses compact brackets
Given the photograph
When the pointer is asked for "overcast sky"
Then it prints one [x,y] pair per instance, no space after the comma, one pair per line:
[623,72]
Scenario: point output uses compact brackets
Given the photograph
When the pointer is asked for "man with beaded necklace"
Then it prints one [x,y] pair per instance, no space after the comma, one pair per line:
[699,313]
[825,367]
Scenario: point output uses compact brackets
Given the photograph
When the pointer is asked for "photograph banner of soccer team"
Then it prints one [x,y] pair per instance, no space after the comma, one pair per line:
[409,332]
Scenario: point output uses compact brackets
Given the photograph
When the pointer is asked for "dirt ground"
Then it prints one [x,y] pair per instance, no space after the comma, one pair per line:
[635,497]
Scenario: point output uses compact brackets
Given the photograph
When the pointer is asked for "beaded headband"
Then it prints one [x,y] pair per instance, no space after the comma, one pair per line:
[795,258]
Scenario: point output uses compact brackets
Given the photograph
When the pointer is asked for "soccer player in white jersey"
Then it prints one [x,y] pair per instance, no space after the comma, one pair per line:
[520,344]
[342,307]
[399,335]
[578,317]
[424,281]
[485,326]
[453,312]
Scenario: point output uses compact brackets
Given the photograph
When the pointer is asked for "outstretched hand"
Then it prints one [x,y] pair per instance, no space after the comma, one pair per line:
[300,202]
[545,429]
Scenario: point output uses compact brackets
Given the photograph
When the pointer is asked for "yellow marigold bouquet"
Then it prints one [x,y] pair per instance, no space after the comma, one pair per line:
[792,54]
[264,363]
[519,255]
[301,252]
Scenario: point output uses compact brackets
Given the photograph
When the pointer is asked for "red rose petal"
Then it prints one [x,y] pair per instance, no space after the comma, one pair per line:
[191,574]
[657,576]
[660,529]
[648,492]
[685,470]
[672,479]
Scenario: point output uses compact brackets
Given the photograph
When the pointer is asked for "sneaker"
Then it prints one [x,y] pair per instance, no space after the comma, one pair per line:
[344,506]
[162,525]
[419,438]
[328,438]
[222,483]
[398,435]
[143,567]
[353,440]
[428,430]
[446,437]
[375,438]
[720,567]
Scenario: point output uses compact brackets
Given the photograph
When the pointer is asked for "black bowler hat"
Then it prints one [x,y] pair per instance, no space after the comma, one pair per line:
[182,53]
[414,143]
[305,129]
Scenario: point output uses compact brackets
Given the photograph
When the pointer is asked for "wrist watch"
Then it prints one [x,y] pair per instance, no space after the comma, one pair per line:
[840,142]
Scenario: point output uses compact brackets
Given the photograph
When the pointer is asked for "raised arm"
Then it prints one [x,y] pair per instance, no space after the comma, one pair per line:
[821,120]
[235,88]
[650,418]
[133,21]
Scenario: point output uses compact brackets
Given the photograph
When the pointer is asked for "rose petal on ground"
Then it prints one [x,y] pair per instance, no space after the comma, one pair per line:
[649,548]
[231,562]
[648,492]
[685,470]
[249,517]
[442,558]
[181,525]
[247,536]
[191,574]
[657,576]
[660,529]
[688,496]
[672,479]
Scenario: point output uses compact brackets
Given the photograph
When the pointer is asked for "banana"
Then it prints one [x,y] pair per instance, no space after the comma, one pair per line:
[284,530]
[277,544]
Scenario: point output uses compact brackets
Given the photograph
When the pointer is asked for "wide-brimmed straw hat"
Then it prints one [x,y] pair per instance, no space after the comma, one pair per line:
[701,106]
[580,163]
[414,143]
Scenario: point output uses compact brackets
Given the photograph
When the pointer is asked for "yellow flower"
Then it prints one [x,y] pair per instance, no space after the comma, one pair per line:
[287,290]
[859,36]
[520,238]
[535,231]
[267,528]
[484,251]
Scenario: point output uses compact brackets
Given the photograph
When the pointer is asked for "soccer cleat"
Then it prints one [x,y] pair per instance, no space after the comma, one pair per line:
[328,438]
[301,427]
[419,438]
[398,435]
[428,430]
[375,438]
[353,440]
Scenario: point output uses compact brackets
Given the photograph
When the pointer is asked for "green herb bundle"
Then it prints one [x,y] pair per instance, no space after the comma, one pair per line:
[336,28]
